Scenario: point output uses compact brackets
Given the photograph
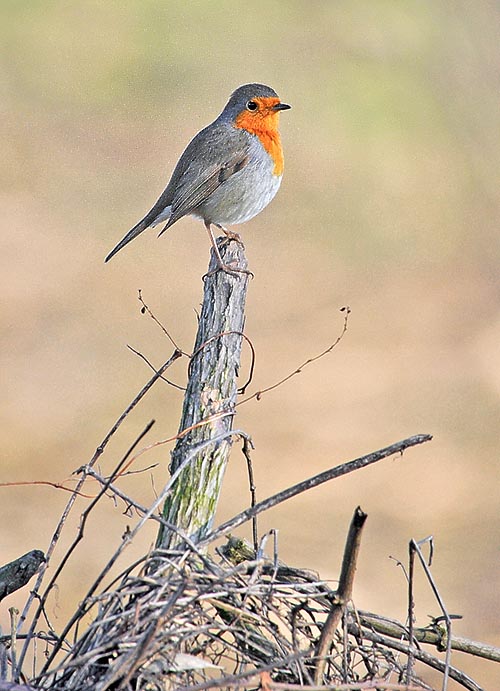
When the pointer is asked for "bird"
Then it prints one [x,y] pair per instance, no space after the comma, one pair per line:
[229,172]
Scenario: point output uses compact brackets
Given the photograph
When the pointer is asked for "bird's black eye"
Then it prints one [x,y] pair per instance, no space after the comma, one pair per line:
[252,106]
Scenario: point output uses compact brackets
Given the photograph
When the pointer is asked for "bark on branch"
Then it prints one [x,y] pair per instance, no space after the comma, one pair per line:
[209,402]
[17,573]
[343,594]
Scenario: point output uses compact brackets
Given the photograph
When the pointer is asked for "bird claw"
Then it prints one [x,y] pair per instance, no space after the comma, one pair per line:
[229,269]
[233,236]
[230,234]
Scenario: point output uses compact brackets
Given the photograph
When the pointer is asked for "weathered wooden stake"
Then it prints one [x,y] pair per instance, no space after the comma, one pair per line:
[211,397]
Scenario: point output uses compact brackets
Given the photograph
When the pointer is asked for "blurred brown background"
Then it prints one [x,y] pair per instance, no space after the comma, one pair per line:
[390,204]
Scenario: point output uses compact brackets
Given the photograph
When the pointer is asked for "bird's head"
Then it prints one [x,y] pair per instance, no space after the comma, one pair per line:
[254,107]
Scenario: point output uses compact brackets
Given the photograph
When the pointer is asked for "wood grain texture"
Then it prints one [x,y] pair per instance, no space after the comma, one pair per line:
[209,402]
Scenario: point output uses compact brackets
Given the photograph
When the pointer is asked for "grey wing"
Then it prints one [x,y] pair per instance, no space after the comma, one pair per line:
[202,168]
[200,174]
[195,194]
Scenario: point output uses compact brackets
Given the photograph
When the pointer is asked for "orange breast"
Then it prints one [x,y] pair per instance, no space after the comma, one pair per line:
[265,126]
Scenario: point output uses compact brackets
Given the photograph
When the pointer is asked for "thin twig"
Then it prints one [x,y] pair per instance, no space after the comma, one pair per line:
[258,394]
[411,611]
[415,548]
[14,615]
[145,309]
[161,442]
[247,445]
[373,684]
[151,366]
[46,483]
[315,481]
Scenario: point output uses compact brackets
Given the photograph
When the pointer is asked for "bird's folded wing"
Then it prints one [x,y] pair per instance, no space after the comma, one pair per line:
[193,193]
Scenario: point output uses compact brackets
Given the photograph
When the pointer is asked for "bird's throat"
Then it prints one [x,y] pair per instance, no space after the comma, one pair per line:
[266,129]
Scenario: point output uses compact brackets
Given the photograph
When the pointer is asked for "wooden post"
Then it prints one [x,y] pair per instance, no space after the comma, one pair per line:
[210,396]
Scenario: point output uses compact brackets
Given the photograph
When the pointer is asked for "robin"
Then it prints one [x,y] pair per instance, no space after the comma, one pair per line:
[228,173]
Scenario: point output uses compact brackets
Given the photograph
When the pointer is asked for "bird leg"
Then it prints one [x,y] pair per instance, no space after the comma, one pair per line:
[221,266]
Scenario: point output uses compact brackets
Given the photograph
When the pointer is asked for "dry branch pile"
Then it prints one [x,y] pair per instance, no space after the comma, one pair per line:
[183,619]
[222,618]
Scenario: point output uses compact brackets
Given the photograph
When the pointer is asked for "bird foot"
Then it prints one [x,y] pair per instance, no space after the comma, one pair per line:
[231,235]
[234,236]
[229,269]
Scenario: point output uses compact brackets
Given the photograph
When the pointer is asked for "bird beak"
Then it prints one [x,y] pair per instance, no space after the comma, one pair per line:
[281,106]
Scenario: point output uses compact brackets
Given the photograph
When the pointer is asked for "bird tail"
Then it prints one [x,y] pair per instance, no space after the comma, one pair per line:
[133,233]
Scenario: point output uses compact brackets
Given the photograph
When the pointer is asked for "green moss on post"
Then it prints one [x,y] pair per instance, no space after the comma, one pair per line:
[210,396]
